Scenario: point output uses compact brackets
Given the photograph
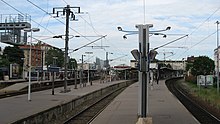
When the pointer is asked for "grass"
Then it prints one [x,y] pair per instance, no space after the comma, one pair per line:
[208,94]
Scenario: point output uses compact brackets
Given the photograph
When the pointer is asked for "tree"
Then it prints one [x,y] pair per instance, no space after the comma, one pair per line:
[189,66]
[55,53]
[3,61]
[14,55]
[72,64]
[202,65]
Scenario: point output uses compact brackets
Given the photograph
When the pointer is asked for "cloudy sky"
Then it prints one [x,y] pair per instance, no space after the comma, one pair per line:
[102,17]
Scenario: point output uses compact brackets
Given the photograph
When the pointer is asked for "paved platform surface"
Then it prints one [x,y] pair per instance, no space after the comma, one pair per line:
[164,108]
[14,87]
[21,85]
[18,107]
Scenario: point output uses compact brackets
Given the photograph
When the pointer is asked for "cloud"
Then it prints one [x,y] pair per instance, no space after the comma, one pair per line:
[184,17]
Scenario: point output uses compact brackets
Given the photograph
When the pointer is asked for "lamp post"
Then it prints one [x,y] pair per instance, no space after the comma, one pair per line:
[29,80]
[23,76]
[144,62]
[217,22]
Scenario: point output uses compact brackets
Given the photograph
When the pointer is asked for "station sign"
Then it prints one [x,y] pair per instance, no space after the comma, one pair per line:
[53,69]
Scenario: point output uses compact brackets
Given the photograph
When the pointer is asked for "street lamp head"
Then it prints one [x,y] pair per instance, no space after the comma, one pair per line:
[58,36]
[168,28]
[119,28]
[31,29]
[124,37]
[35,29]
[135,54]
[88,52]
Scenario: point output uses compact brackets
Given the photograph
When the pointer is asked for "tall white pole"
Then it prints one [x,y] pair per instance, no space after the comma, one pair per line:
[29,81]
[217,59]
[23,75]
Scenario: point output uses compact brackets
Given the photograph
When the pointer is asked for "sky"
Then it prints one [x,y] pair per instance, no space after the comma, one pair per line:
[102,17]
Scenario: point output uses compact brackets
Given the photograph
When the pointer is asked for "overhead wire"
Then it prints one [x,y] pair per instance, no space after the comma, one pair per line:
[199,42]
[170,42]
[61,21]
[58,20]
[65,1]
[24,14]
[90,24]
[207,19]
[39,23]
[144,5]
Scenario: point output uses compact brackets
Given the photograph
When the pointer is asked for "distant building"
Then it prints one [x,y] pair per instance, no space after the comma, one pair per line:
[38,54]
[176,65]
[99,63]
[133,64]
[121,67]
[190,59]
[36,58]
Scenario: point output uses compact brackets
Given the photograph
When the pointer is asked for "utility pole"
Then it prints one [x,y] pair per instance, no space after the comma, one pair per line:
[66,47]
[217,22]
[106,61]
[66,11]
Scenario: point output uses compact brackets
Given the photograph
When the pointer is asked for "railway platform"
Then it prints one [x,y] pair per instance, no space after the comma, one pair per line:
[164,107]
[18,107]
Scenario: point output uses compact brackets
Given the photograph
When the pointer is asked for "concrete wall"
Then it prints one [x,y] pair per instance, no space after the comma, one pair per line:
[62,112]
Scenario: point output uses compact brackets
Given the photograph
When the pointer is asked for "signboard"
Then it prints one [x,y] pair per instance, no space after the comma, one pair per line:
[14,70]
[53,69]
[205,80]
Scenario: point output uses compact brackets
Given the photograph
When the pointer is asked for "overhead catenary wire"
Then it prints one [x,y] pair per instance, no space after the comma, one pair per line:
[88,44]
[90,24]
[39,23]
[207,19]
[58,20]
[144,7]
[70,27]
[170,42]
[31,18]
[199,42]
[65,1]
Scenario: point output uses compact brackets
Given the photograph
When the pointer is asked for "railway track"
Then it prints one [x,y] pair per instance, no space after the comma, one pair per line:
[92,111]
[203,116]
